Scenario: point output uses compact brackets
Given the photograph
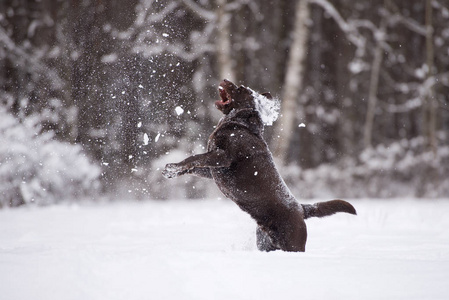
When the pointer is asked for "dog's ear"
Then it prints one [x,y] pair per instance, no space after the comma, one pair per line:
[268,95]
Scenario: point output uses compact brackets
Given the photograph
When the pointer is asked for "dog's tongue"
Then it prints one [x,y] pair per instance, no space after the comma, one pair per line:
[225,97]
[223,94]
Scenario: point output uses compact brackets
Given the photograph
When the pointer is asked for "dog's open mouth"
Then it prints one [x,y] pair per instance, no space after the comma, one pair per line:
[226,98]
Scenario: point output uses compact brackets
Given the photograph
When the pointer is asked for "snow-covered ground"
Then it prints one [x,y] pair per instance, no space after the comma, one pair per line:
[393,249]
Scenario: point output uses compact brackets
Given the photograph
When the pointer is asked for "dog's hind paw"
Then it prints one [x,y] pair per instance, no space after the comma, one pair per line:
[172,171]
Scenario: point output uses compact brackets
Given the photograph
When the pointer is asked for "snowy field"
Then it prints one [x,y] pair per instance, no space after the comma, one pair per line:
[393,249]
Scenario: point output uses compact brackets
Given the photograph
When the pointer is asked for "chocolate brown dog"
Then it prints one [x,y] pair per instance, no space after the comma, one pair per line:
[239,161]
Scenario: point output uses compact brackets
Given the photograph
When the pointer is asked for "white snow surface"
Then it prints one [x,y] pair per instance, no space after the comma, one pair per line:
[393,249]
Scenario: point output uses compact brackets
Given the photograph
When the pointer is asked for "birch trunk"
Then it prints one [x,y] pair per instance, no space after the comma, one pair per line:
[225,62]
[293,82]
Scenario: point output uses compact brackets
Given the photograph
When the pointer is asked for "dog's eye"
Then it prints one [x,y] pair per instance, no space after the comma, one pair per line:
[243,88]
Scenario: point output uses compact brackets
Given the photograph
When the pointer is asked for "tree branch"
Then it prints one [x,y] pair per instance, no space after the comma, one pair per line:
[22,55]
[348,27]
[198,10]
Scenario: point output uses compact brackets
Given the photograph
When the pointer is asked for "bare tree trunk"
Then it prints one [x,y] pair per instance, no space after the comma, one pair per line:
[429,106]
[225,62]
[373,87]
[293,81]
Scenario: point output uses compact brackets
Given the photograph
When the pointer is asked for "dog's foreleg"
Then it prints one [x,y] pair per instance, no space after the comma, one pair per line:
[203,172]
[212,159]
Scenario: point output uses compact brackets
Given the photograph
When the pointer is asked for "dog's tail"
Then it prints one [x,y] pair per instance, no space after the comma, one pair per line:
[322,209]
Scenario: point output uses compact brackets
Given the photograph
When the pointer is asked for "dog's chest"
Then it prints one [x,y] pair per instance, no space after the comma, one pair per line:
[232,130]
[212,142]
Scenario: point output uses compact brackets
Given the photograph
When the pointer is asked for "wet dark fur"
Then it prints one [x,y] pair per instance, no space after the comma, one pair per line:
[239,161]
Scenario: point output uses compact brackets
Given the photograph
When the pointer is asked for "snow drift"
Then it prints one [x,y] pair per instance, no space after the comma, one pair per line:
[395,249]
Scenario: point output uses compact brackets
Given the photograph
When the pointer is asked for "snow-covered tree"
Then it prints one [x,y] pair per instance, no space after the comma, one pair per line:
[35,168]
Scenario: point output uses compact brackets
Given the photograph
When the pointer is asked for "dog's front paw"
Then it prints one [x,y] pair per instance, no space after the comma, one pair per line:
[172,171]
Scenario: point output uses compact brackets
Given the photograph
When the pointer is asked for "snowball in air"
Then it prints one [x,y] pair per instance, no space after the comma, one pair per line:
[302,125]
[146,139]
[179,110]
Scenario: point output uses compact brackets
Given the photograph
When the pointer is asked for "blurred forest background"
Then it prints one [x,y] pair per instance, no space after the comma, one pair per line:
[96,96]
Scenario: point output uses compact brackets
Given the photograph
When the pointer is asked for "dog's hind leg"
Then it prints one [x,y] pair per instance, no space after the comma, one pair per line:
[264,241]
